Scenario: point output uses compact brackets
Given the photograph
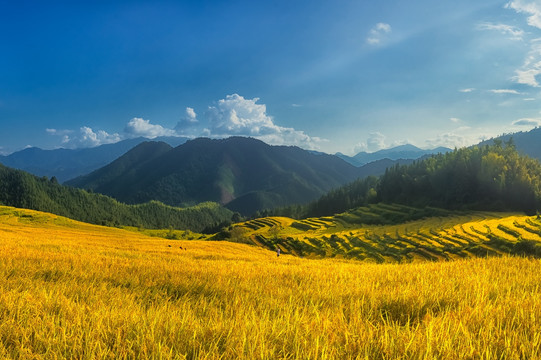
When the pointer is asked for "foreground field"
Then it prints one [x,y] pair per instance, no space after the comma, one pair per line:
[71,290]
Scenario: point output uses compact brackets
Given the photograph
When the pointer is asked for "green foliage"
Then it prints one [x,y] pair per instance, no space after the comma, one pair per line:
[495,178]
[20,189]
[490,177]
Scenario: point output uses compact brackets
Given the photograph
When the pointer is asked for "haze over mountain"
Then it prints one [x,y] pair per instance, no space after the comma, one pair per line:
[407,151]
[244,173]
[65,164]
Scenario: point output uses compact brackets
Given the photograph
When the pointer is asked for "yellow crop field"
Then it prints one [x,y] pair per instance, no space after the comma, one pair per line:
[69,290]
[450,237]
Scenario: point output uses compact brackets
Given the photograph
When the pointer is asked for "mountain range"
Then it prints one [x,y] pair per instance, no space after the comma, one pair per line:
[244,174]
[65,164]
[407,151]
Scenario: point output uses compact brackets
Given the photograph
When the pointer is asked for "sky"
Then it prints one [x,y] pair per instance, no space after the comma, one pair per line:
[333,76]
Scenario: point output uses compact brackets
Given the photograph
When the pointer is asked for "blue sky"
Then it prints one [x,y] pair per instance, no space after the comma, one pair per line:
[328,75]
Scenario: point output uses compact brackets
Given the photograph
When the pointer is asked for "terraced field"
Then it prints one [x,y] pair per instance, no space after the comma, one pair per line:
[445,237]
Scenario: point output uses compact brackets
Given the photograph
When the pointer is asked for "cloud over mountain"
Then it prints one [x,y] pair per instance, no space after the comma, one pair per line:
[236,115]
[85,137]
[374,142]
[232,116]
[141,127]
[527,122]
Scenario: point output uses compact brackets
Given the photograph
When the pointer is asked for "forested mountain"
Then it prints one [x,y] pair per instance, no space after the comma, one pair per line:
[490,177]
[65,164]
[245,174]
[528,143]
[23,190]
[403,152]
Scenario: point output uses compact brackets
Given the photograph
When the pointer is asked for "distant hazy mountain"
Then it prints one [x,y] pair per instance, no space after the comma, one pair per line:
[400,152]
[528,143]
[66,164]
[245,174]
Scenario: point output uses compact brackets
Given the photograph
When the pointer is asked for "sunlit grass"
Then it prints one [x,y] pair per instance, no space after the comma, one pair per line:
[450,237]
[71,290]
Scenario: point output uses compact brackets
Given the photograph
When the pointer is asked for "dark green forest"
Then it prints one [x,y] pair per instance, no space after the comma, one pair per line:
[23,190]
[243,174]
[490,177]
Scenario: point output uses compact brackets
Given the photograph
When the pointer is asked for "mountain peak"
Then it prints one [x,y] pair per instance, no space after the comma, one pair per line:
[245,174]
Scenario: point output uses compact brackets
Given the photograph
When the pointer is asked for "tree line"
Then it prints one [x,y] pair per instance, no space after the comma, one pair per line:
[23,190]
[490,177]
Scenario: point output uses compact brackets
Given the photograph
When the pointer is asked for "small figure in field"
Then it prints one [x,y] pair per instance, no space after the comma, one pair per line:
[278,252]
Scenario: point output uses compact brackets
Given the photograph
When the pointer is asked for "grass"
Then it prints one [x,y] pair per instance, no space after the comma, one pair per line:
[72,290]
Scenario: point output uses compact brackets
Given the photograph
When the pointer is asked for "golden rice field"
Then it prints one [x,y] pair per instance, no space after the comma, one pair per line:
[452,237]
[75,291]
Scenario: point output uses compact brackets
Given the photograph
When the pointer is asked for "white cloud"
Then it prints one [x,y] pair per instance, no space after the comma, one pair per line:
[513,32]
[527,122]
[532,8]
[191,116]
[374,142]
[63,133]
[86,137]
[187,124]
[504,91]
[452,139]
[461,136]
[89,138]
[236,115]
[378,33]
[455,120]
[531,67]
[469,90]
[141,127]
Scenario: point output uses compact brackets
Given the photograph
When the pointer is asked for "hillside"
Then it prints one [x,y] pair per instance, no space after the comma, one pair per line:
[65,164]
[526,142]
[395,233]
[71,289]
[23,190]
[244,174]
[490,178]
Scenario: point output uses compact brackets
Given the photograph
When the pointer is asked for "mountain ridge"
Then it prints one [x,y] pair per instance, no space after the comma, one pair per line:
[224,170]
[65,164]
